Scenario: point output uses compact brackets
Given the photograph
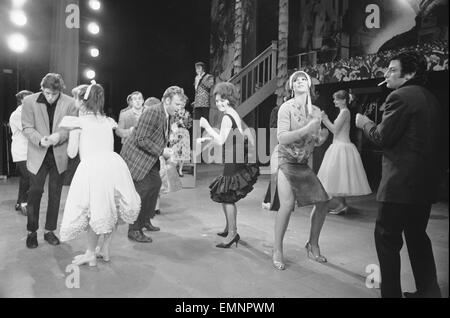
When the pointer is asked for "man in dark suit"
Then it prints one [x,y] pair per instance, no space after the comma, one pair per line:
[141,152]
[408,135]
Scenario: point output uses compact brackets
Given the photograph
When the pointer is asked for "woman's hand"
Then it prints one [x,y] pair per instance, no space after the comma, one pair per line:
[324,115]
[313,126]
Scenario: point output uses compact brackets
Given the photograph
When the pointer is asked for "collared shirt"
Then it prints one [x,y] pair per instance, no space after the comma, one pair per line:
[50,108]
[197,79]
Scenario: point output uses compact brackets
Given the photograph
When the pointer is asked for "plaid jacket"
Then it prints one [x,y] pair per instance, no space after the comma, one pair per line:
[147,142]
[202,92]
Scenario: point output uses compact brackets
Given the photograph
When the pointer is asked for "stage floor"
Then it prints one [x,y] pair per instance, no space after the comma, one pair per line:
[183,261]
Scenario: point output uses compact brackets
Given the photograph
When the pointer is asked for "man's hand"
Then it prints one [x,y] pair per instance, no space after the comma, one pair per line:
[361,120]
[54,139]
[45,142]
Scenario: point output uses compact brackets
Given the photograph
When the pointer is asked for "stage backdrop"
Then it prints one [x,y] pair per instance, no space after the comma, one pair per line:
[64,46]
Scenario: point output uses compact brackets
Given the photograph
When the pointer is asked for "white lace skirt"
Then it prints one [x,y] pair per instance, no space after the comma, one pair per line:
[342,172]
[101,194]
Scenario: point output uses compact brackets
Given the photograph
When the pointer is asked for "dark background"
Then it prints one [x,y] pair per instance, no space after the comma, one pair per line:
[144,45]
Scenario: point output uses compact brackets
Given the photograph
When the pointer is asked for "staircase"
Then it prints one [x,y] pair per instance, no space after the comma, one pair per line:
[257,80]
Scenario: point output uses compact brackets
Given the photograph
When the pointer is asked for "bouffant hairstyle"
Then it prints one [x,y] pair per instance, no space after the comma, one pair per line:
[227,91]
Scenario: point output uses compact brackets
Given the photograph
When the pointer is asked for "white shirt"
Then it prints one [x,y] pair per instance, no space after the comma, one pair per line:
[197,79]
[19,144]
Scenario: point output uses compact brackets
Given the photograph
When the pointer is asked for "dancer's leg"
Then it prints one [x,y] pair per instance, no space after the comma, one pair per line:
[287,201]
[231,216]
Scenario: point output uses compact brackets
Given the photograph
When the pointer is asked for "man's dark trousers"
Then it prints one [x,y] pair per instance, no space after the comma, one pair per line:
[148,189]
[37,182]
[410,219]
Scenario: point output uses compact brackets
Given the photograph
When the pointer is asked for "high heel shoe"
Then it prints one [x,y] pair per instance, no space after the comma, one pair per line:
[228,245]
[278,264]
[223,234]
[91,260]
[341,210]
[309,253]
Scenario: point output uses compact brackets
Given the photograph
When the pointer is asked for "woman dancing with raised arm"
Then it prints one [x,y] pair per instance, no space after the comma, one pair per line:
[238,178]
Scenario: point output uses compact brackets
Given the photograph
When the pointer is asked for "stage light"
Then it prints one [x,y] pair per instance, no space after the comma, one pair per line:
[95,4]
[89,73]
[18,3]
[17,43]
[18,17]
[93,28]
[94,52]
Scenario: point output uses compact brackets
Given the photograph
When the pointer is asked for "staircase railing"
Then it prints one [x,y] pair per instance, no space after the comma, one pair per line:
[257,80]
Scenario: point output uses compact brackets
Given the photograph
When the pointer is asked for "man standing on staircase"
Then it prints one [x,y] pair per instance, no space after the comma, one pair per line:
[203,84]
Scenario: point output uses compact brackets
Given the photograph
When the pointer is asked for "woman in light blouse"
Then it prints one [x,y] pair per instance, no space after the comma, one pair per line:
[298,133]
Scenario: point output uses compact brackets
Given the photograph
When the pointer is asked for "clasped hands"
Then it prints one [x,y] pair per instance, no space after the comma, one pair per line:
[51,140]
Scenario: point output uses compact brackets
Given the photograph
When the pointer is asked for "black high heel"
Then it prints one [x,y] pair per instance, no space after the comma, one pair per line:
[223,234]
[234,240]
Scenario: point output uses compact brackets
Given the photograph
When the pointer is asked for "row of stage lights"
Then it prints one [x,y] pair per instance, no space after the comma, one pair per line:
[94,29]
[18,43]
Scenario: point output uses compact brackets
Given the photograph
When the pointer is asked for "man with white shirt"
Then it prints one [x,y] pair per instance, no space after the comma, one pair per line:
[19,147]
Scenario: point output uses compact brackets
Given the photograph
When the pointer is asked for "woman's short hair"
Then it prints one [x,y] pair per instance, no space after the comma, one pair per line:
[95,101]
[21,95]
[227,91]
[342,95]
[151,101]
[53,81]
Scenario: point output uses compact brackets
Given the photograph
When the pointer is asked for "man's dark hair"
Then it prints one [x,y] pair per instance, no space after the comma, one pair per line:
[412,62]
[53,81]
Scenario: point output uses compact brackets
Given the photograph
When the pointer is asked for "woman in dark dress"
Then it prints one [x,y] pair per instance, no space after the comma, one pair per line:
[238,176]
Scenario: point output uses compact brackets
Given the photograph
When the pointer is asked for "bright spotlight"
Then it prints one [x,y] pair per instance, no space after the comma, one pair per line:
[17,43]
[18,17]
[18,3]
[95,4]
[93,28]
[89,73]
[94,52]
